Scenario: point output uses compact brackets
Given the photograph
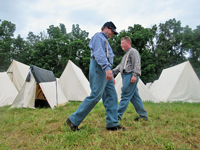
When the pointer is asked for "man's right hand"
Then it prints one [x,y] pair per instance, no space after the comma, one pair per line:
[109,75]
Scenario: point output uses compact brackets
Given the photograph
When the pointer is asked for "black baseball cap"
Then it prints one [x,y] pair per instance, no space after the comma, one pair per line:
[111,26]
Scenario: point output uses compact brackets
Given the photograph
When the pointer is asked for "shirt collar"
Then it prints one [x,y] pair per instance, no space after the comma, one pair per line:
[128,49]
[104,34]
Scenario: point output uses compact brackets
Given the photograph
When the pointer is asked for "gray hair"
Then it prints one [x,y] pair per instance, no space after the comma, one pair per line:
[127,39]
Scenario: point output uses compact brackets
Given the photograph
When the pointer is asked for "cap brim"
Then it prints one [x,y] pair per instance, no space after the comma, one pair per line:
[115,32]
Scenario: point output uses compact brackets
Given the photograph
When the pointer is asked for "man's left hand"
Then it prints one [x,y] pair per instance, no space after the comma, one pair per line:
[133,79]
[109,75]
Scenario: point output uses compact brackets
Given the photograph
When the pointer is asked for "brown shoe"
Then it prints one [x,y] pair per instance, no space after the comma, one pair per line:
[72,126]
[118,127]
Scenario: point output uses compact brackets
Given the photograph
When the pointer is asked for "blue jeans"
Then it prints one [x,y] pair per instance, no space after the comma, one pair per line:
[100,88]
[130,93]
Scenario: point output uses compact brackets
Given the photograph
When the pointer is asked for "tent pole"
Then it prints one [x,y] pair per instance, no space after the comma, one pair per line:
[56,94]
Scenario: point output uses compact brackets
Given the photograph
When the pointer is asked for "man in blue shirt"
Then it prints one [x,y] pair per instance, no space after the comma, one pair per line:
[101,81]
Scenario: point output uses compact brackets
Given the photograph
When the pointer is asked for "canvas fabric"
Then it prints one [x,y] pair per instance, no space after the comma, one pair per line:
[73,83]
[8,92]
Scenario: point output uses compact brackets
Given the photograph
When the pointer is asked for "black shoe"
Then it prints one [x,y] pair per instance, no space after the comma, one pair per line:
[141,118]
[72,126]
[116,128]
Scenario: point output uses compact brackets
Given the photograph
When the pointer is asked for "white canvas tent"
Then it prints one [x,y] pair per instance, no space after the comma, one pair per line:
[148,85]
[178,83]
[17,72]
[153,85]
[39,85]
[8,92]
[144,93]
[73,83]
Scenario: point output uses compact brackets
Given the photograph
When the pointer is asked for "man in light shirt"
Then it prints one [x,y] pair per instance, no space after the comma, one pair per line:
[130,69]
[101,81]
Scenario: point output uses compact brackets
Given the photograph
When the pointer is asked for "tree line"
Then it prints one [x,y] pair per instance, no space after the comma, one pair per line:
[160,47]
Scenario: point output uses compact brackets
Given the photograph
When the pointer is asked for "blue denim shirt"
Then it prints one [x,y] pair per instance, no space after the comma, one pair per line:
[98,50]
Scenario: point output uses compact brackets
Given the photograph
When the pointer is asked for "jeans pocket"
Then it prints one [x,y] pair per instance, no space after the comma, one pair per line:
[126,88]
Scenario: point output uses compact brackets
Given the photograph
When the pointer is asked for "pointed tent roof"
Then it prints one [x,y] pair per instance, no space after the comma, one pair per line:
[8,92]
[47,82]
[73,83]
[17,72]
[144,93]
[178,83]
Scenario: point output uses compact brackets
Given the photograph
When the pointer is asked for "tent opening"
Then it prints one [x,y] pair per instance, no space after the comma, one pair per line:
[40,101]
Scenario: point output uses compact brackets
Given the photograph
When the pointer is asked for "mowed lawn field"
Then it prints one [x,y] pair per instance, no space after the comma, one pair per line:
[170,126]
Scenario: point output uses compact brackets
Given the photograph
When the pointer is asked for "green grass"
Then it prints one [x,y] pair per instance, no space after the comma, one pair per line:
[170,126]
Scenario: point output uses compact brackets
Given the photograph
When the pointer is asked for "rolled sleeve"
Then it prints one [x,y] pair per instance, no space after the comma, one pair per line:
[117,69]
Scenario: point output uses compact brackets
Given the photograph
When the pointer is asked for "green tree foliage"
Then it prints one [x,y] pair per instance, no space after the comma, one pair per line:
[191,44]
[32,39]
[141,37]
[21,50]
[77,33]
[54,52]
[54,32]
[63,29]
[160,47]
[45,55]
[78,48]
[168,51]
[47,51]
[6,40]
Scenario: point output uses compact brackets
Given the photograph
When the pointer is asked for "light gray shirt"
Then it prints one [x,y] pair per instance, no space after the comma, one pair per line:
[133,63]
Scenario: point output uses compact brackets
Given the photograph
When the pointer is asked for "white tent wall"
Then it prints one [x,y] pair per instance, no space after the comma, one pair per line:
[153,85]
[18,72]
[187,88]
[26,96]
[143,91]
[8,92]
[178,83]
[49,90]
[118,85]
[166,82]
[148,85]
[73,83]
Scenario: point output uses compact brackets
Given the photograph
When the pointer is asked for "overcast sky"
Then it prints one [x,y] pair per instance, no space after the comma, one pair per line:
[38,15]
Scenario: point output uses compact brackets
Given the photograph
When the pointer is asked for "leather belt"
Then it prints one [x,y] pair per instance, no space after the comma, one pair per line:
[95,58]
[124,72]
